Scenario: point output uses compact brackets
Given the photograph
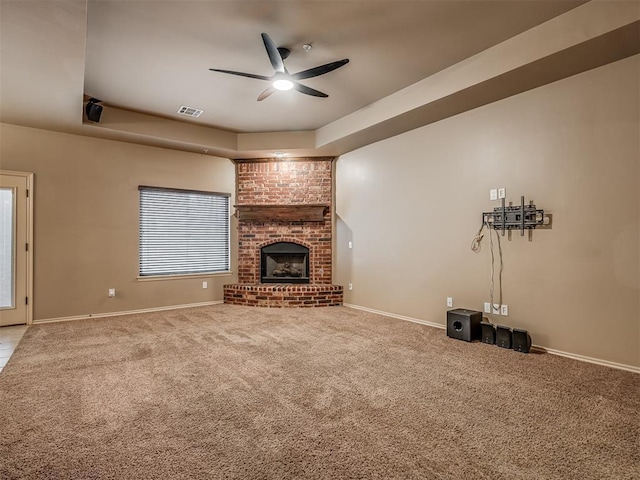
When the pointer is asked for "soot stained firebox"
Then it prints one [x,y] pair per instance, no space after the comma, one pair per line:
[284,262]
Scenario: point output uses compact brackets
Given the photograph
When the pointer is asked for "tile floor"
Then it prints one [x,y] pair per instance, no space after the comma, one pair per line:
[9,339]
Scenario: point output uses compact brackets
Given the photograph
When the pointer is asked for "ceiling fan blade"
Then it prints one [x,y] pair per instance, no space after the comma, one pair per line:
[274,54]
[321,70]
[308,90]
[241,74]
[266,93]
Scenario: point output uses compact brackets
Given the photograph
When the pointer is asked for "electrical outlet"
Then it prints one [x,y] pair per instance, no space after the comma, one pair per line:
[449,302]
[496,309]
[487,307]
[350,244]
[504,310]
[205,285]
[350,286]
[112,292]
[493,194]
[502,192]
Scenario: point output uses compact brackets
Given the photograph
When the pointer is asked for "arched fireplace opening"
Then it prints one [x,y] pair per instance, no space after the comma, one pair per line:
[284,262]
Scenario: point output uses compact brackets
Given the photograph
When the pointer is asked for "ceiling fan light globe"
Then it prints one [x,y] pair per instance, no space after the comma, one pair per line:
[283,84]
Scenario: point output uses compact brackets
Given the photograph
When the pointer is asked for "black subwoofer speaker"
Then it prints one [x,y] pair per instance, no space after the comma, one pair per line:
[464,324]
[488,333]
[503,336]
[521,341]
[93,111]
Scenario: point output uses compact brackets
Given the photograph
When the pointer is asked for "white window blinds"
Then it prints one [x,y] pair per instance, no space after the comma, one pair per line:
[183,231]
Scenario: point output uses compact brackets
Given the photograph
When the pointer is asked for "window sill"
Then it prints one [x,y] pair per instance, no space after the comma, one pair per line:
[153,278]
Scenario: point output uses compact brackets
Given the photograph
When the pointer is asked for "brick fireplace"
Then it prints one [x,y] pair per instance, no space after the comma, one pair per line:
[284,202]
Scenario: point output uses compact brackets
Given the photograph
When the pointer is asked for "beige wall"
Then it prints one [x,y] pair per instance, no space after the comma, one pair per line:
[412,204]
[86,219]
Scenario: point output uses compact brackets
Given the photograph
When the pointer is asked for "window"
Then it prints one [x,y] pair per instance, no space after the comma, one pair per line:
[7,247]
[183,231]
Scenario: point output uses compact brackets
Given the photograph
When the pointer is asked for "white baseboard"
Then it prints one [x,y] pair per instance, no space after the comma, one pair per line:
[128,312]
[399,317]
[582,358]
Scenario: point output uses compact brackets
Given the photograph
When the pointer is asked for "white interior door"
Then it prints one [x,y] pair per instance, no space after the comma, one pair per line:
[15,248]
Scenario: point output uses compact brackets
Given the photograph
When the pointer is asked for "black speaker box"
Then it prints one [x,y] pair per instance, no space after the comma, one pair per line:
[93,111]
[503,336]
[464,324]
[521,341]
[488,333]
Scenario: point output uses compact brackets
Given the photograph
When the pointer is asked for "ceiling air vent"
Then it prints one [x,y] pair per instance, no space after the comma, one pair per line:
[190,111]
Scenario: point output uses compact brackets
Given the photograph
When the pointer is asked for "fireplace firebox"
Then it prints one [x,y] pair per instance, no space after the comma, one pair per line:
[284,262]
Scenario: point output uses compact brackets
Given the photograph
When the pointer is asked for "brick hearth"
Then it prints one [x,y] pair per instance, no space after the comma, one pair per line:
[278,295]
[271,193]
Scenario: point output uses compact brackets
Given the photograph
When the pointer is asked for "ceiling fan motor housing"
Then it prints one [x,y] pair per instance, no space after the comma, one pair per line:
[284,52]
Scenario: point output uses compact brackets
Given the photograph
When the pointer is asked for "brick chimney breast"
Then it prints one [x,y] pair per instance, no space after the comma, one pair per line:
[281,188]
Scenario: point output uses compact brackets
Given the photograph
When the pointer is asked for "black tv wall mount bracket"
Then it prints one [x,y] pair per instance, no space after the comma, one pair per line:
[510,217]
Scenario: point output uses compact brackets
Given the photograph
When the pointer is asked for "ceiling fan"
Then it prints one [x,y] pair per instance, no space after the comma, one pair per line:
[282,79]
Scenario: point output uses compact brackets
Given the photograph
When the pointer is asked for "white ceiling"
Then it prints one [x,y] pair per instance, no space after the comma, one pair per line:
[411,63]
[154,56]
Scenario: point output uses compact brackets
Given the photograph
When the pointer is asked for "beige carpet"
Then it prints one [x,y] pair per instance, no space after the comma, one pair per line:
[250,393]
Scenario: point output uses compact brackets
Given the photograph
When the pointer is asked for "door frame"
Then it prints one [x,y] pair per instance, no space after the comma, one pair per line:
[29,266]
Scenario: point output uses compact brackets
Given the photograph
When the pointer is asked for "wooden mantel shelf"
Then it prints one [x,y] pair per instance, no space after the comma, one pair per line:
[282,213]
